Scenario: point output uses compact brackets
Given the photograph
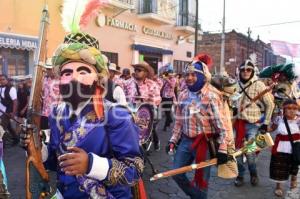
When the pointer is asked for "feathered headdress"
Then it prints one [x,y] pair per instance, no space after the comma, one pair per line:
[251,62]
[76,14]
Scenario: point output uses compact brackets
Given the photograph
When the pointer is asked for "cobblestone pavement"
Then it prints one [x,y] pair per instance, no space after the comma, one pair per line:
[14,158]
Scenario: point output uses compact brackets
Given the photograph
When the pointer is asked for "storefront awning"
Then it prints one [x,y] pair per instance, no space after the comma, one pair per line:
[14,41]
[150,49]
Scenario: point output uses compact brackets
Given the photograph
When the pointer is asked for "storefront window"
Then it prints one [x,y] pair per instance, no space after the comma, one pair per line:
[14,62]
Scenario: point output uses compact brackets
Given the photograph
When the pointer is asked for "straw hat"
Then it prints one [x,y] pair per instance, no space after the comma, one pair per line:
[145,66]
[113,67]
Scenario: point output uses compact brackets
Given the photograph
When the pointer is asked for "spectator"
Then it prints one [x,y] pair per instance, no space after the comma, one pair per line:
[126,74]
[8,106]
[115,93]
[50,95]
[23,95]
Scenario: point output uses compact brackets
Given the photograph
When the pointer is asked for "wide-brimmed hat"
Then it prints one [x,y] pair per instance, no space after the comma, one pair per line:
[113,67]
[145,66]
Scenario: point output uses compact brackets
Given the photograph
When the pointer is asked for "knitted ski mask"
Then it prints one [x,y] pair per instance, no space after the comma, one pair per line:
[196,67]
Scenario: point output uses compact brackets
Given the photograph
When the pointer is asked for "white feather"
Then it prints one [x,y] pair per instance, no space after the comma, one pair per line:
[71,13]
[253,59]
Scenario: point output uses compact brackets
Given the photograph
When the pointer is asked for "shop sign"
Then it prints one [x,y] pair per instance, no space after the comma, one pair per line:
[116,23]
[18,42]
[157,33]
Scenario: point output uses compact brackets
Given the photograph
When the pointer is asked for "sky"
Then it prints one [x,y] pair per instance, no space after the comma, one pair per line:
[241,14]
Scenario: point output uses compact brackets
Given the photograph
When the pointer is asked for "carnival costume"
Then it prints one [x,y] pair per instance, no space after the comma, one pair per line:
[199,114]
[249,115]
[282,166]
[285,86]
[167,93]
[86,121]
[144,91]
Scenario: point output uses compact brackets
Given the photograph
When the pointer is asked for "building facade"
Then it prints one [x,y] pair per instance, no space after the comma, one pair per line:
[156,31]
[19,30]
[238,47]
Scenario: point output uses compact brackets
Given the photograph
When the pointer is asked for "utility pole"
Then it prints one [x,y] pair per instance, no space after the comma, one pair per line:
[222,69]
[196,30]
[248,42]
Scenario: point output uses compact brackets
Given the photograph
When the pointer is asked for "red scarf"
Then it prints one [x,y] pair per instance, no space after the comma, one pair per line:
[200,145]
[280,137]
[240,127]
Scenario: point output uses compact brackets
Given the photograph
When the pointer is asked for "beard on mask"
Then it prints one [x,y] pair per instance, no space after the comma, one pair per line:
[75,92]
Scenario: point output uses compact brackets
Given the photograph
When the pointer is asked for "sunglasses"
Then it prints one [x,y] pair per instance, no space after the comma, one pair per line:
[248,70]
[138,70]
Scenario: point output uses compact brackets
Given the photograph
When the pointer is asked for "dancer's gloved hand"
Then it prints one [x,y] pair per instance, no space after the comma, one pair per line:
[263,129]
[170,148]
[222,158]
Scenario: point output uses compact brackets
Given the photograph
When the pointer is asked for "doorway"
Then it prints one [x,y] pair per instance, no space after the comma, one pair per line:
[152,59]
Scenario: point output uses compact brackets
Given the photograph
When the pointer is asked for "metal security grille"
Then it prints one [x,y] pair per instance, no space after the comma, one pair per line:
[179,65]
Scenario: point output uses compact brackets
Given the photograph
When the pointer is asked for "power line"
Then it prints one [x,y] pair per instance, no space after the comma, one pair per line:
[276,24]
[259,26]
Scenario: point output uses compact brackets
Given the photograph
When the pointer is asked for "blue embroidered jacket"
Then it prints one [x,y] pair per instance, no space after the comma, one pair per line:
[115,138]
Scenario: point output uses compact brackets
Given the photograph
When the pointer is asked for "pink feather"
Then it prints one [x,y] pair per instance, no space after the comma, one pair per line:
[90,11]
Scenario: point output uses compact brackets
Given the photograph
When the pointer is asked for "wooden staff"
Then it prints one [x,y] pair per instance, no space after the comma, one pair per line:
[262,141]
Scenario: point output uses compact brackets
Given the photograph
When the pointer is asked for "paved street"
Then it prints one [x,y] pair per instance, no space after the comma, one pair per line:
[14,158]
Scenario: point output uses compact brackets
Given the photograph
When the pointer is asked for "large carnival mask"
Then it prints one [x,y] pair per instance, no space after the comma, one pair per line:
[77,82]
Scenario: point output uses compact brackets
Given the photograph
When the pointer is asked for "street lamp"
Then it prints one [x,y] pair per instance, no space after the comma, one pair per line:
[222,69]
[196,30]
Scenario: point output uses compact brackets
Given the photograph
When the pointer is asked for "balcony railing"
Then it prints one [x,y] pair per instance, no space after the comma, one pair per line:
[148,6]
[125,4]
[150,10]
[184,19]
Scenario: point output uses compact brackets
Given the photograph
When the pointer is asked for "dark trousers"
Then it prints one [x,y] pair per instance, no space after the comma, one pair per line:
[5,122]
[167,104]
[44,122]
[185,156]
[154,134]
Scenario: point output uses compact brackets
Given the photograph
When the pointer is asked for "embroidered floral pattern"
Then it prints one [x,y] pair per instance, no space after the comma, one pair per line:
[116,174]
[135,162]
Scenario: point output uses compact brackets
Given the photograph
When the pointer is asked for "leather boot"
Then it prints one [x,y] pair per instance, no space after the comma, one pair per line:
[239,181]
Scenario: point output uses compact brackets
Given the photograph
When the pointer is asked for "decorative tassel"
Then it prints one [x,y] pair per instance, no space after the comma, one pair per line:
[205,59]
[90,11]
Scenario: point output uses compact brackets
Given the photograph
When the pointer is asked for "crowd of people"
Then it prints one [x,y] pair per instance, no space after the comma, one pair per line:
[200,108]
[90,107]
[204,110]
